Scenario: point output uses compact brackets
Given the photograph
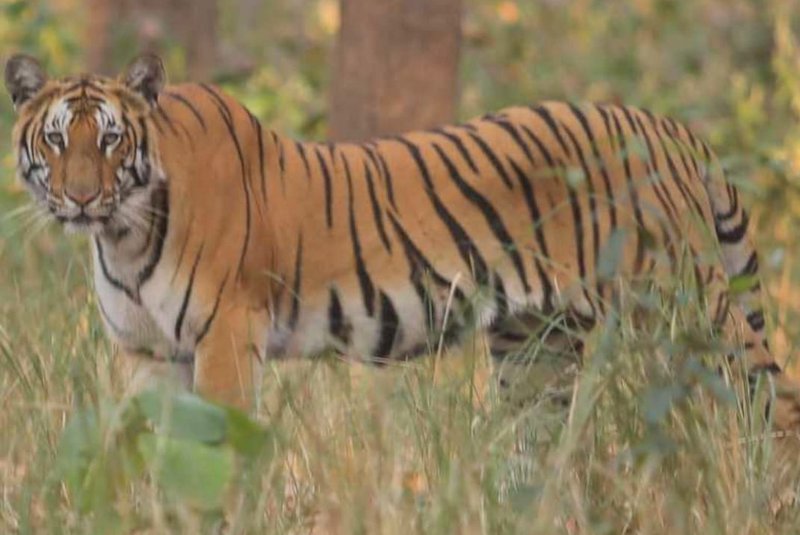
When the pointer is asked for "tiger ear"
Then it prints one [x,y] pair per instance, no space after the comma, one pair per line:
[24,78]
[146,76]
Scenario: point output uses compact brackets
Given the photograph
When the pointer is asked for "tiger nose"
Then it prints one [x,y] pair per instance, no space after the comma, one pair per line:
[82,194]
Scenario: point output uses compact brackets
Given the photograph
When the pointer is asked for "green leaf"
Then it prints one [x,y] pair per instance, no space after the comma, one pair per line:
[244,435]
[740,284]
[78,447]
[184,415]
[194,473]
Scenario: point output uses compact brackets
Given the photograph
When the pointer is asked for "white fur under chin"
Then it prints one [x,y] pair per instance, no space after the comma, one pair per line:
[94,228]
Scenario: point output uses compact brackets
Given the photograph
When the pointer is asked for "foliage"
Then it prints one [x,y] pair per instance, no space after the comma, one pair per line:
[653,442]
[186,444]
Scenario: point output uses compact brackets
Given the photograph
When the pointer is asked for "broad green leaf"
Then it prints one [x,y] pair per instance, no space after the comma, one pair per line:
[79,446]
[245,435]
[184,415]
[188,471]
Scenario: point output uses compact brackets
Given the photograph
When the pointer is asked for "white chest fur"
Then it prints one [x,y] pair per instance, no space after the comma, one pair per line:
[130,324]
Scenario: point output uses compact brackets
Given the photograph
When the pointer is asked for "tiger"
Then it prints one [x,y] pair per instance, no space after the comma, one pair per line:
[218,244]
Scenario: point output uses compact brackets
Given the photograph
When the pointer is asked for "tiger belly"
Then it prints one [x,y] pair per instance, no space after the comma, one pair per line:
[403,327]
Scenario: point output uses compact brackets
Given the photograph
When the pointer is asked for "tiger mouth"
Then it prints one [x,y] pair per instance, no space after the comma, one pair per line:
[83,220]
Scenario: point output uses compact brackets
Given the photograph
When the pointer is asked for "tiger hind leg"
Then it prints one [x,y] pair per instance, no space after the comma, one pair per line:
[536,358]
[760,367]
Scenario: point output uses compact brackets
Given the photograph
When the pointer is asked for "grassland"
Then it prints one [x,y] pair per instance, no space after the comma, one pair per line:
[653,443]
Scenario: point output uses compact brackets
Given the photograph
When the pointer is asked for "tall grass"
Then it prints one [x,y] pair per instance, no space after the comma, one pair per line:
[655,440]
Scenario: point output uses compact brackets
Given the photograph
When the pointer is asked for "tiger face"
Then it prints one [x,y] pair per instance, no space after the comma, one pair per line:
[84,147]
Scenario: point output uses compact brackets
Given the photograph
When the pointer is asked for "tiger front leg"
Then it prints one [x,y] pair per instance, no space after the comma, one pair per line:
[228,359]
[138,370]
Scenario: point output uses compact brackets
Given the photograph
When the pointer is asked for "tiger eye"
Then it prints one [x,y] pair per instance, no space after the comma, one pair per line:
[55,139]
[110,138]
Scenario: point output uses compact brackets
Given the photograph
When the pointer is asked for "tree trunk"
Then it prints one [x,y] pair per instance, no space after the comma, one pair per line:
[152,25]
[395,67]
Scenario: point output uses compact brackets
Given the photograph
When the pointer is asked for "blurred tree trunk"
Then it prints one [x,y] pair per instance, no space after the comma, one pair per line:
[395,66]
[132,26]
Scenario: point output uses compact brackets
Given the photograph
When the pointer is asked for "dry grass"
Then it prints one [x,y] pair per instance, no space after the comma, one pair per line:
[652,444]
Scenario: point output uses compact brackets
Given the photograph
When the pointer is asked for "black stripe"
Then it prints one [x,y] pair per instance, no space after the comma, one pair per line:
[376,209]
[390,323]
[161,203]
[301,149]
[155,123]
[721,309]
[183,100]
[383,169]
[633,193]
[653,161]
[281,153]
[686,192]
[606,124]
[187,295]
[207,324]
[24,143]
[336,321]
[260,140]
[592,202]
[141,146]
[466,248]
[492,157]
[687,197]
[163,115]
[227,118]
[491,216]
[653,177]
[133,137]
[547,117]
[733,194]
[599,161]
[536,223]
[548,157]
[113,281]
[420,266]
[294,314]
[364,280]
[751,266]
[459,145]
[756,320]
[500,297]
[509,128]
[770,367]
[735,234]
[577,221]
[328,192]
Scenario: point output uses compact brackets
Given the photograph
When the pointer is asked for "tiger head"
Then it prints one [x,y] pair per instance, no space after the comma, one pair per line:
[85,146]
